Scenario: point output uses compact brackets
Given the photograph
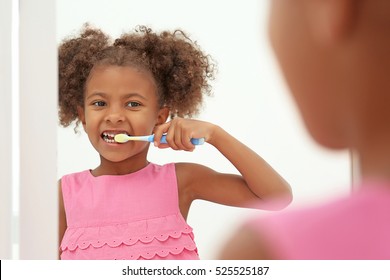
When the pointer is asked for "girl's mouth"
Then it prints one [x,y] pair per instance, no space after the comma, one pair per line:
[108,137]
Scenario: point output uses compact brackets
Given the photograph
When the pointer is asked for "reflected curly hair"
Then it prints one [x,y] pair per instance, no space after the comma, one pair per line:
[182,72]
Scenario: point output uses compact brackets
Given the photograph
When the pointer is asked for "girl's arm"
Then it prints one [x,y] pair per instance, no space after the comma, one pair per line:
[61,217]
[259,186]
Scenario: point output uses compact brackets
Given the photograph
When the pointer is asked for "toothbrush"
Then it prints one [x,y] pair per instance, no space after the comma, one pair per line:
[123,138]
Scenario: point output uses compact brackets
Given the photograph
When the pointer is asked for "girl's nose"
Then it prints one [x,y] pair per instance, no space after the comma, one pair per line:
[114,116]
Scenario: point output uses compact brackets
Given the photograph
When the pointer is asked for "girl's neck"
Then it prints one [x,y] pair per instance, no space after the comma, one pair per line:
[374,160]
[127,166]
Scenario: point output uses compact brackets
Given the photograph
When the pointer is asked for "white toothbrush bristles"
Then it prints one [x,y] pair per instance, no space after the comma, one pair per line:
[121,138]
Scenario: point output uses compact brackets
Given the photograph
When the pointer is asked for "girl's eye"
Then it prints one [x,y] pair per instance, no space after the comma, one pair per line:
[99,103]
[133,104]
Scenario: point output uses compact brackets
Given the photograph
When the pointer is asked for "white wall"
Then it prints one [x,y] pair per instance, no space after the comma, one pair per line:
[5,124]
[37,130]
[250,101]
[28,120]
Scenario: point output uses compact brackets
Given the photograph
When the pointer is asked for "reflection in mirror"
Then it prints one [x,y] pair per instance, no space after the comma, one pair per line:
[249,101]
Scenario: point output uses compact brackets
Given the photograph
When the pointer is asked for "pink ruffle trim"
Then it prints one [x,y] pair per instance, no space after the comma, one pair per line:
[126,241]
[172,253]
[143,239]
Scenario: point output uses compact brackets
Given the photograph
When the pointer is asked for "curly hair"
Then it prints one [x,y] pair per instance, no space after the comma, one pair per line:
[182,72]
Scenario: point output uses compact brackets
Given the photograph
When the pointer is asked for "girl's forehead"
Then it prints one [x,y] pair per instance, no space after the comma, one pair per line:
[125,70]
[120,79]
[123,74]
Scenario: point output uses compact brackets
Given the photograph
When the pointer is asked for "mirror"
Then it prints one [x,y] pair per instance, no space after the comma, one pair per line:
[250,101]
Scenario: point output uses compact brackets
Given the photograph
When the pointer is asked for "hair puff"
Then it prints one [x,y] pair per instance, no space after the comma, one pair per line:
[181,70]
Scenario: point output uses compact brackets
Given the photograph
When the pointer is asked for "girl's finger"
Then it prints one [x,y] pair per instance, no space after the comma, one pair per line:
[171,137]
[158,132]
[186,141]
[177,138]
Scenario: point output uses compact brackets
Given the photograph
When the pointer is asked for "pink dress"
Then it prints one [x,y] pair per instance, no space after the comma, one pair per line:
[354,227]
[133,216]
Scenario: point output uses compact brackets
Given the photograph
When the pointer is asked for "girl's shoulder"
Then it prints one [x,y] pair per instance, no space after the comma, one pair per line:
[189,168]
[83,173]
[75,177]
[188,173]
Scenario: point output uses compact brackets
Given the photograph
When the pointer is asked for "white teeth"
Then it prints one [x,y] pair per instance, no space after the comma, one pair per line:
[109,137]
[109,140]
[108,134]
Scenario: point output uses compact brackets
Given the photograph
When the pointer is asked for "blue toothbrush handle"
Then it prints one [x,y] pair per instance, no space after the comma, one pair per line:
[194,141]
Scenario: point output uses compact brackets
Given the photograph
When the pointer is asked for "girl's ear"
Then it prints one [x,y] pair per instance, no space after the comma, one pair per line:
[163,115]
[330,21]
[81,114]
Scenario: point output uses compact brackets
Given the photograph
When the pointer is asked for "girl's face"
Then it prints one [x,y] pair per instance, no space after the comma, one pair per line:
[117,100]
[309,69]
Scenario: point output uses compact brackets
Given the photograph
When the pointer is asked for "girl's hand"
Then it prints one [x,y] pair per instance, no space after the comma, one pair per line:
[179,132]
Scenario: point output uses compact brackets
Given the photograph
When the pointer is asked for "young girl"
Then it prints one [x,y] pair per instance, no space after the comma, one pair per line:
[127,207]
[336,60]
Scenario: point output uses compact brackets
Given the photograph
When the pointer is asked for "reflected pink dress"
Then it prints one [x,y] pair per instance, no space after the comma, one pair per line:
[355,227]
[133,216]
